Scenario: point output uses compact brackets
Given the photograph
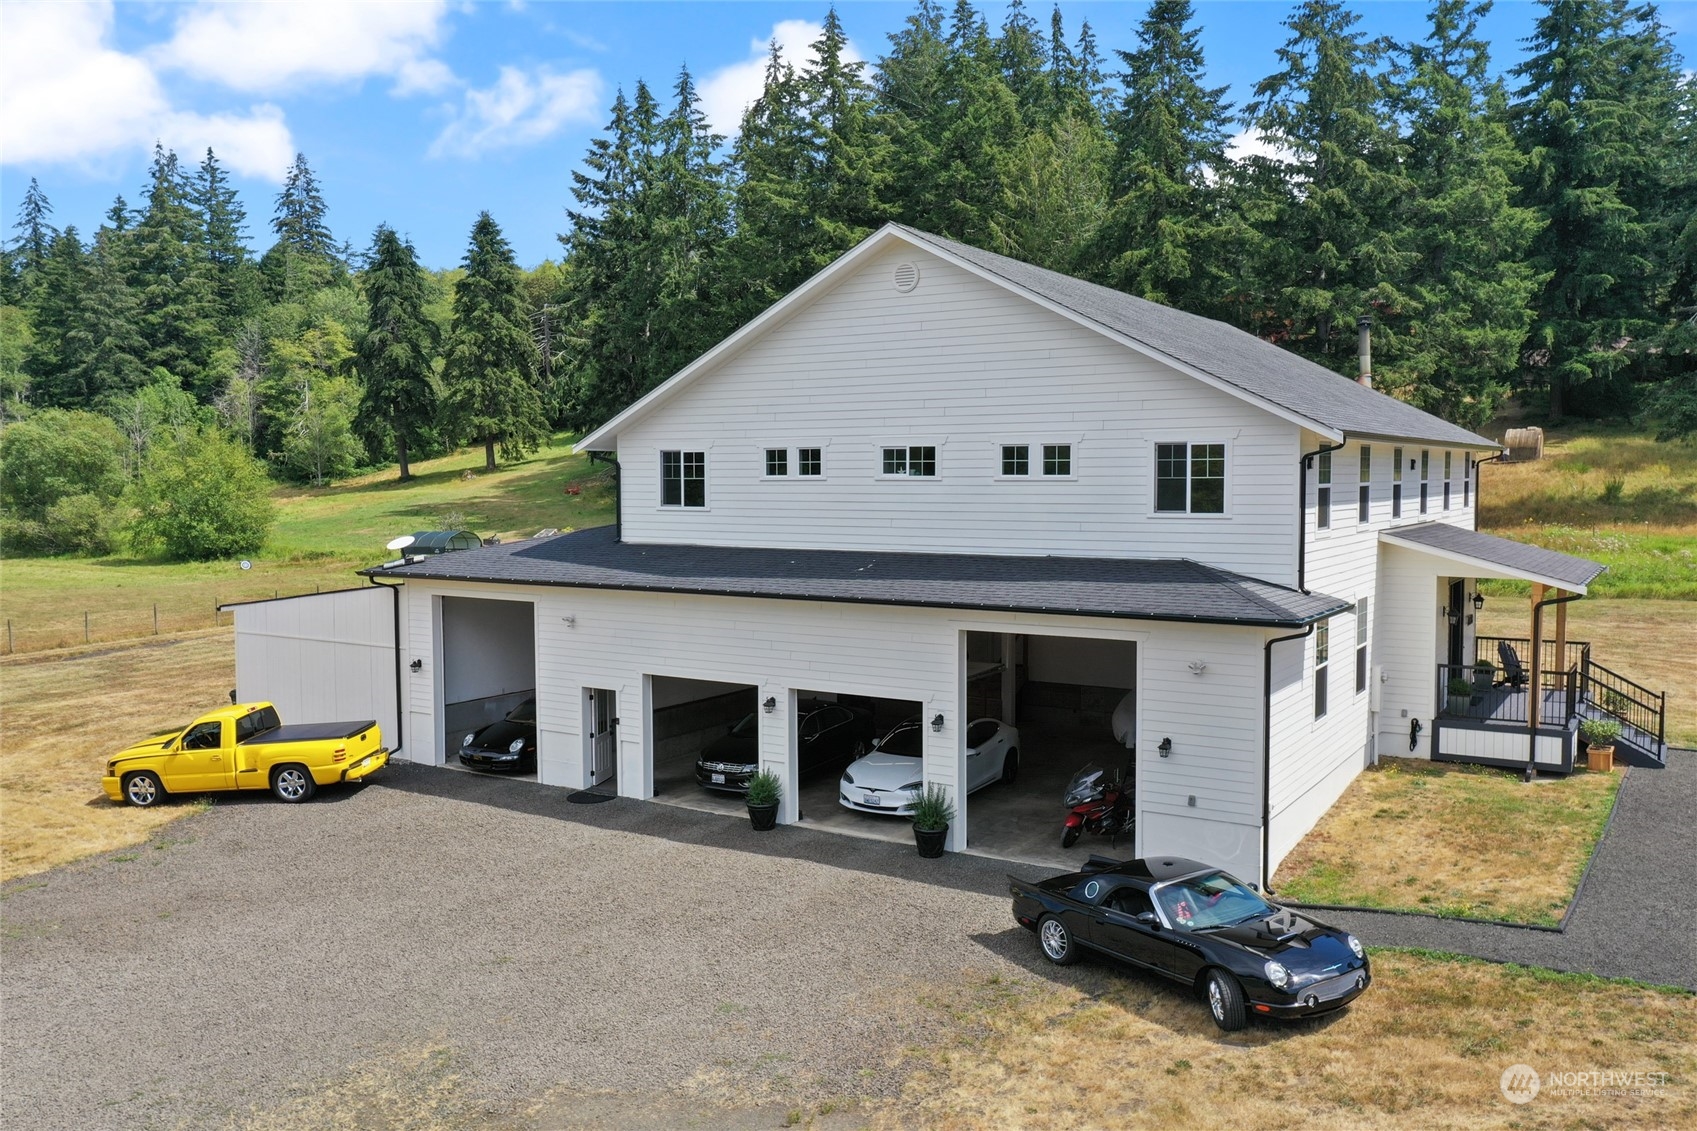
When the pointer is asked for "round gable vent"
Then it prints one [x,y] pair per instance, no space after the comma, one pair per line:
[907,277]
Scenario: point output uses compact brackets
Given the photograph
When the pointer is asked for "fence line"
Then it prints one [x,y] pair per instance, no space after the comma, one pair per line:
[104,625]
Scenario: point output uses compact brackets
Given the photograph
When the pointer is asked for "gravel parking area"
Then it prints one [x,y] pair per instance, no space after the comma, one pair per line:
[473,944]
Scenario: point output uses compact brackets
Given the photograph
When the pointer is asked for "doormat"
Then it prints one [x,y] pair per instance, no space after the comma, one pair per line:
[590,797]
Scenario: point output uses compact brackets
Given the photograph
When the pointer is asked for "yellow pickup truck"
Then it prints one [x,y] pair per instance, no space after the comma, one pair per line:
[245,746]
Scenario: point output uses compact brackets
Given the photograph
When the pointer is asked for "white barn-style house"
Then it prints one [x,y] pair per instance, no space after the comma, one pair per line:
[942,483]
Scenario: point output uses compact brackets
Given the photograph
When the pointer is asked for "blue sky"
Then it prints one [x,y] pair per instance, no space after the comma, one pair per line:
[421,114]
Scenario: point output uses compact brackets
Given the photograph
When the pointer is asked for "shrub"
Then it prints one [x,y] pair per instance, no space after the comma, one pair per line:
[1599,732]
[1614,488]
[1460,686]
[764,788]
[199,497]
[933,810]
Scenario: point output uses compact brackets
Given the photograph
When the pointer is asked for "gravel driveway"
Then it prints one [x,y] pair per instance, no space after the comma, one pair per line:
[449,938]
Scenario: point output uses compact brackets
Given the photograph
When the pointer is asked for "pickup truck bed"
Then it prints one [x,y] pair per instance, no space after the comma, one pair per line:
[309,732]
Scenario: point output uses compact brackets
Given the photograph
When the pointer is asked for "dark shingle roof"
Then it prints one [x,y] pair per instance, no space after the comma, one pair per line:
[1534,562]
[1141,589]
[1224,352]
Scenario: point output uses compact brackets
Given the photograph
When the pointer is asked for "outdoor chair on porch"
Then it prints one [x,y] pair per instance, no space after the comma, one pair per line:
[1514,674]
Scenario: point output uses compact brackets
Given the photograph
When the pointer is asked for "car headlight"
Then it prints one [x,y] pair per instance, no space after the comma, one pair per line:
[848,778]
[515,746]
[1277,974]
[1355,945]
[466,741]
[913,785]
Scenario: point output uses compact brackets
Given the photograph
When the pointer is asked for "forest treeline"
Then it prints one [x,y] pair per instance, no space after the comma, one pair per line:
[1533,231]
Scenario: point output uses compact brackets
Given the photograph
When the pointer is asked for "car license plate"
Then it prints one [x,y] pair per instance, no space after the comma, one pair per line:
[872,799]
[718,779]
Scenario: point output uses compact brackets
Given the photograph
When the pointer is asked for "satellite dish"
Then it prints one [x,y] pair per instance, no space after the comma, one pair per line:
[246,564]
[401,543]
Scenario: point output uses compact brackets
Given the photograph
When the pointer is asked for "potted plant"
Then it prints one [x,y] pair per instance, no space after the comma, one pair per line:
[1599,736]
[1483,675]
[764,792]
[932,812]
[1461,694]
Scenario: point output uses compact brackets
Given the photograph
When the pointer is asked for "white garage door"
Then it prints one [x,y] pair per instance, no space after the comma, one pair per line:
[321,657]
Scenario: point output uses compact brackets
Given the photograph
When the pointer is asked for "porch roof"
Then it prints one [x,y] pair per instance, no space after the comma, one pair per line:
[1486,555]
[1136,588]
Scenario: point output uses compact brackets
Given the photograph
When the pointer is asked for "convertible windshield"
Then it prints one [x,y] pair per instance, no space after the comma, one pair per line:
[906,740]
[1211,900]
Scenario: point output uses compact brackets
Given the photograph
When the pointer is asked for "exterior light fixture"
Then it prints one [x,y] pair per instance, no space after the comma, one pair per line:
[770,705]
[1197,667]
[418,665]
[937,723]
[571,621]
[1478,602]
[1166,747]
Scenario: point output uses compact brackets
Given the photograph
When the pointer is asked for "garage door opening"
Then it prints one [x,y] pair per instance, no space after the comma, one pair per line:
[832,732]
[703,732]
[489,685]
[1058,702]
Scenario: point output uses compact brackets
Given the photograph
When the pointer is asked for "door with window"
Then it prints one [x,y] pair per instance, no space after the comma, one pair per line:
[202,760]
[1458,601]
[603,735]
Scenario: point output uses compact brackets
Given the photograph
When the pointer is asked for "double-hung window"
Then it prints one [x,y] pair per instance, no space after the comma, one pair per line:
[1323,493]
[1467,466]
[1322,658]
[809,461]
[1396,482]
[1449,460]
[777,461]
[912,460]
[1190,478]
[1016,459]
[683,479]
[1362,622]
[1425,477]
[1057,459]
[1364,494]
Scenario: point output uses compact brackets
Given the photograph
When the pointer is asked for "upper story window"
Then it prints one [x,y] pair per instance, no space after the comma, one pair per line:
[777,461]
[1323,492]
[1449,459]
[1190,478]
[1364,501]
[1016,459]
[1057,459]
[1467,469]
[913,460]
[1396,482]
[683,479]
[1362,623]
[809,461]
[1425,477]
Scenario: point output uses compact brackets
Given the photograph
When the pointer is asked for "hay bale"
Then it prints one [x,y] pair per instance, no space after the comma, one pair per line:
[1524,444]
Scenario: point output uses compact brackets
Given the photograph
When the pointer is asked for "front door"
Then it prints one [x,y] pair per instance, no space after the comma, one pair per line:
[603,735]
[1458,601]
[200,761]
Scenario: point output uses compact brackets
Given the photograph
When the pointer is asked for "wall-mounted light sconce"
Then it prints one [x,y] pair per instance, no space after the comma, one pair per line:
[417,665]
[571,621]
[1166,747]
[770,705]
[1197,667]
[1478,602]
[937,723]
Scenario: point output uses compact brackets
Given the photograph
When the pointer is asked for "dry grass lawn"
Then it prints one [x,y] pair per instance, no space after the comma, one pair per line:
[1425,1047]
[63,713]
[1452,840]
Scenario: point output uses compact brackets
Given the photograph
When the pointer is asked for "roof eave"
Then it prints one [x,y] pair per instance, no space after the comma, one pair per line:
[1483,567]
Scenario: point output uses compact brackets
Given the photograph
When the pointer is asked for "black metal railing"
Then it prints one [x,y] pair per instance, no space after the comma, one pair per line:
[1575,655]
[1633,704]
[1472,692]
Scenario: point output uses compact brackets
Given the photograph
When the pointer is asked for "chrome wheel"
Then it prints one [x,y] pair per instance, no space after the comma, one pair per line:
[292,783]
[142,790]
[1215,1002]
[1054,939]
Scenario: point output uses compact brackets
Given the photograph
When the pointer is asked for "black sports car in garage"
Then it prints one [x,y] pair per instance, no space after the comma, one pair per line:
[828,735]
[506,745]
[1200,927]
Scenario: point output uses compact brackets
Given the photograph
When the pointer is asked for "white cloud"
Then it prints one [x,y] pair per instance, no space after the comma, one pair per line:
[521,108]
[729,91]
[65,96]
[277,46]
[1251,144]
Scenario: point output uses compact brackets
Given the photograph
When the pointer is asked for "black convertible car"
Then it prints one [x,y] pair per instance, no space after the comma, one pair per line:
[1200,927]
[828,735]
[506,745]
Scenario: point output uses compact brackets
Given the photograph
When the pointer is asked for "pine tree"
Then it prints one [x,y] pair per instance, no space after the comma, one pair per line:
[305,256]
[61,281]
[489,390]
[106,345]
[223,234]
[171,275]
[1020,52]
[29,250]
[397,354]
[855,166]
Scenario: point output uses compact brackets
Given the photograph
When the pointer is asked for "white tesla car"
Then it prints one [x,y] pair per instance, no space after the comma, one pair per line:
[889,779]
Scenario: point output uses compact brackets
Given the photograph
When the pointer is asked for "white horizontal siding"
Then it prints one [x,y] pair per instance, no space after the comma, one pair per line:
[966,366]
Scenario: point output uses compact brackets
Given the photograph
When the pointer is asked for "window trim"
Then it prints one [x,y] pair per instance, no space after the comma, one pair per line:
[1449,470]
[800,462]
[1070,457]
[1002,472]
[766,471]
[1154,483]
[682,504]
[1396,482]
[1364,492]
[1363,634]
[1322,667]
[907,460]
[1425,479]
[1323,491]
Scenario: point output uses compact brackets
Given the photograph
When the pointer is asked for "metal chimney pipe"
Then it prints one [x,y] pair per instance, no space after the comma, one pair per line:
[1364,349]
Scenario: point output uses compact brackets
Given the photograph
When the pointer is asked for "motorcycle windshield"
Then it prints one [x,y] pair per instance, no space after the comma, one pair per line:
[1086,785]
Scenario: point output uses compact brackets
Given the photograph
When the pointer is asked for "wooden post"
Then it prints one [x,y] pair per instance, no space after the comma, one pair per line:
[1561,648]
[156,618]
[9,647]
[215,604]
[85,626]
[1533,705]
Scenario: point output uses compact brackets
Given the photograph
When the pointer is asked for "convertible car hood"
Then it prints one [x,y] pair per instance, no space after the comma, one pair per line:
[1289,934]
[879,770]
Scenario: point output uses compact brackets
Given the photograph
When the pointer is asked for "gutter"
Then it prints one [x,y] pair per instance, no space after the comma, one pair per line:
[1267,749]
[618,492]
[1479,485]
[1535,695]
[1302,513]
[400,713]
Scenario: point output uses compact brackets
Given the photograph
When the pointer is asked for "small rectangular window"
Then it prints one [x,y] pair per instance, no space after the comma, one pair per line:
[1364,500]
[1396,483]
[1057,459]
[1190,477]
[1323,493]
[809,461]
[1425,477]
[895,461]
[1322,657]
[1016,459]
[915,460]
[1363,621]
[1449,459]
[1172,480]
[683,479]
[1467,466]
[777,461]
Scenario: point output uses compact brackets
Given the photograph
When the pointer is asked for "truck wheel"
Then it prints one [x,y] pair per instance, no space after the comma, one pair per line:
[292,783]
[143,790]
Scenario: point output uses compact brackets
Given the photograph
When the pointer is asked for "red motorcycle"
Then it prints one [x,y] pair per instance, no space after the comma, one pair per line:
[1098,804]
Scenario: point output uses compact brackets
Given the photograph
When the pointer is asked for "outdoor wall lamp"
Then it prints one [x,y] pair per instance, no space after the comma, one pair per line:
[770,705]
[1478,602]
[1166,747]
[1197,667]
[418,665]
[937,723]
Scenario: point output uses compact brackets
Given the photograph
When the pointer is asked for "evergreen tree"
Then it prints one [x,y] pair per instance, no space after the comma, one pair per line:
[61,281]
[1020,51]
[397,354]
[854,167]
[176,312]
[489,392]
[305,256]
[224,236]
[29,250]
[105,345]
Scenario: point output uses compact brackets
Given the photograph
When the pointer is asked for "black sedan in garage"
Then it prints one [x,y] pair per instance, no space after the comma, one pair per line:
[1200,927]
[506,745]
[828,736]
